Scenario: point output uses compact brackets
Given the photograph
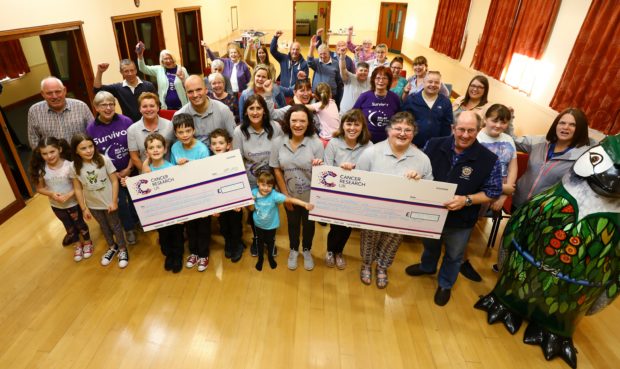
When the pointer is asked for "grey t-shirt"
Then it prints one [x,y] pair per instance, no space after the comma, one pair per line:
[380,158]
[352,90]
[296,165]
[96,184]
[137,133]
[256,149]
[217,115]
[338,152]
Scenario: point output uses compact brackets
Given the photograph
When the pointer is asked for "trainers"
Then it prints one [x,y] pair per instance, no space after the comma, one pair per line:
[108,256]
[308,260]
[254,248]
[130,237]
[78,252]
[292,259]
[340,262]
[330,262]
[203,263]
[123,258]
[275,251]
[191,260]
[88,249]
[468,271]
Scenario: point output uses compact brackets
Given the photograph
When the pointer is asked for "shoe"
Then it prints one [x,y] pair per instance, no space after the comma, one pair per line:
[275,251]
[177,264]
[236,256]
[468,271]
[366,274]
[88,248]
[78,252]
[382,278]
[109,255]
[168,263]
[66,240]
[227,254]
[442,296]
[254,248]
[123,258]
[308,260]
[416,270]
[203,263]
[495,268]
[292,259]
[191,261]
[340,262]
[330,262]
[130,237]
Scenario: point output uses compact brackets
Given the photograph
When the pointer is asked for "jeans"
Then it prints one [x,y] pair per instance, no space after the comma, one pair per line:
[456,240]
[296,218]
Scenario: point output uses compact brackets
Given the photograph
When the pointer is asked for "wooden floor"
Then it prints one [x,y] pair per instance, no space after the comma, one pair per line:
[56,313]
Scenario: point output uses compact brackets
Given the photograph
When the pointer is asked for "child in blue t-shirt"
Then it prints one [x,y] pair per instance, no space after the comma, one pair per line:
[188,148]
[267,217]
[230,221]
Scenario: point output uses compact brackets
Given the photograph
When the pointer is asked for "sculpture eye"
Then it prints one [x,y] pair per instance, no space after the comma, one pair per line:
[595,158]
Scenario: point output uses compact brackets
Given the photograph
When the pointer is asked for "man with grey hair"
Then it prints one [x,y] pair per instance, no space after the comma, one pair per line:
[292,65]
[325,69]
[462,160]
[126,92]
[57,116]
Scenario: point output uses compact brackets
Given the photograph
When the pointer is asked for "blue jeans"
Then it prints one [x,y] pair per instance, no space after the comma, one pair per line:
[456,240]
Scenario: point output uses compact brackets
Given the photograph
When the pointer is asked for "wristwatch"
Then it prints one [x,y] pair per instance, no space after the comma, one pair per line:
[468,201]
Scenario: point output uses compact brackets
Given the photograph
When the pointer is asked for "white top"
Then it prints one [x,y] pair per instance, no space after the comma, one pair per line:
[59,181]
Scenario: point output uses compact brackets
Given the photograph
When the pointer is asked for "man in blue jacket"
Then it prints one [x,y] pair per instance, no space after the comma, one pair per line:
[459,159]
[290,64]
[432,110]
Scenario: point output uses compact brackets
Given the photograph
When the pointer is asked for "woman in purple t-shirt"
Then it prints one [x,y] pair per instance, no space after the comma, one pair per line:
[378,104]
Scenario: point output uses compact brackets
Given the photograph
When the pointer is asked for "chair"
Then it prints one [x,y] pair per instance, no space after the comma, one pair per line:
[167,114]
[506,211]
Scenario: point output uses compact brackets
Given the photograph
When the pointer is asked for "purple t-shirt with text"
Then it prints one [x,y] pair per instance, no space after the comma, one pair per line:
[378,111]
[111,139]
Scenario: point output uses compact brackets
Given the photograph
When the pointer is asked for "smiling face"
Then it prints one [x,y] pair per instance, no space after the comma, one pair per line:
[106,110]
[396,68]
[185,134]
[233,54]
[475,90]
[381,54]
[129,73]
[381,82]
[352,130]
[219,145]
[264,188]
[400,135]
[361,73]
[432,83]
[565,130]
[54,94]
[50,154]
[493,126]
[465,130]
[149,109]
[262,55]
[260,76]
[255,113]
[196,91]
[295,50]
[324,54]
[367,45]
[86,150]
[299,124]
[419,69]
[155,150]
[168,61]
[304,95]
[218,86]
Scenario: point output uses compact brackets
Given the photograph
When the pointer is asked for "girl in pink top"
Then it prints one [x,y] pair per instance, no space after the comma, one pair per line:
[327,112]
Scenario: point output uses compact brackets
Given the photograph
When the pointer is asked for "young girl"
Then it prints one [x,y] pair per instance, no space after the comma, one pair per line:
[327,111]
[96,189]
[170,237]
[50,170]
[267,217]
[230,221]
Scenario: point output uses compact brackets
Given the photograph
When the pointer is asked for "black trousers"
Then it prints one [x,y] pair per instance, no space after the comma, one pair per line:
[230,228]
[265,237]
[199,236]
[296,219]
[171,240]
[337,238]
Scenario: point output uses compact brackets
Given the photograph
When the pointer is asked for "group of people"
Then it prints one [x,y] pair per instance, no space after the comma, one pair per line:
[283,127]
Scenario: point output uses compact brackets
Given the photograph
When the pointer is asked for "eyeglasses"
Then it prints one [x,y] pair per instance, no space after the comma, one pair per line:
[476,87]
[398,68]
[407,131]
[462,131]
[107,105]
[381,78]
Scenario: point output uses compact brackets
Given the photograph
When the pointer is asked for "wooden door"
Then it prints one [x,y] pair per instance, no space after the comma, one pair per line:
[189,30]
[391,25]
[65,63]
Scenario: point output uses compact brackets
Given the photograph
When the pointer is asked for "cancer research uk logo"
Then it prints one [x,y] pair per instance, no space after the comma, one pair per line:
[325,178]
[138,186]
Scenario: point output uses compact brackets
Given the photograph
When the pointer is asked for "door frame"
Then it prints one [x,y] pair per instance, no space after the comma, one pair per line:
[87,72]
[327,17]
[402,29]
[201,51]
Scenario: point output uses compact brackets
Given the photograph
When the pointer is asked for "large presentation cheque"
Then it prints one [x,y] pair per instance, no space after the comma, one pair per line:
[185,192]
[380,202]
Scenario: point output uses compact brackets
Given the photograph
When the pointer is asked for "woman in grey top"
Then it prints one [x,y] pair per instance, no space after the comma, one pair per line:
[292,157]
[254,138]
[343,150]
[397,156]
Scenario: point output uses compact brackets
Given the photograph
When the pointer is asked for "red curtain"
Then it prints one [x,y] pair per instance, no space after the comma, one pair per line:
[12,59]
[450,26]
[591,77]
[514,26]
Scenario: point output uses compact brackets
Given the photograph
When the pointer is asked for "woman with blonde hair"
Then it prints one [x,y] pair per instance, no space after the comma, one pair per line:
[260,79]
[235,69]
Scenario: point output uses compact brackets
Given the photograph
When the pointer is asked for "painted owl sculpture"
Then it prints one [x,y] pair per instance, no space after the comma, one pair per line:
[560,255]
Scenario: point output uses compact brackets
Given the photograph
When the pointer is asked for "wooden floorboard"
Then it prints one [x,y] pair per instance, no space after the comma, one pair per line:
[55,313]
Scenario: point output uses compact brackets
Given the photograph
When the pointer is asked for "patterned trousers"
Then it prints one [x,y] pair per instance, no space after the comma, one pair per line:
[110,225]
[379,246]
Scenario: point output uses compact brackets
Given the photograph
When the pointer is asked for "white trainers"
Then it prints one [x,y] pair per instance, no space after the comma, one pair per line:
[191,260]
[78,252]
[292,259]
[308,260]
[88,249]
[123,258]
[330,262]
[108,256]
[203,263]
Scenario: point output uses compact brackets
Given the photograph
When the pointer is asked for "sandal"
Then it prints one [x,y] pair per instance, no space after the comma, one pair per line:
[382,278]
[366,274]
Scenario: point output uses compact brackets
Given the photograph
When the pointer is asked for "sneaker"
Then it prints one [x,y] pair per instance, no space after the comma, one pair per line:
[340,262]
[468,271]
[130,237]
[78,252]
[275,251]
[123,258]
[203,263]
[330,262]
[108,256]
[308,260]
[254,248]
[292,259]
[88,249]
[191,260]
